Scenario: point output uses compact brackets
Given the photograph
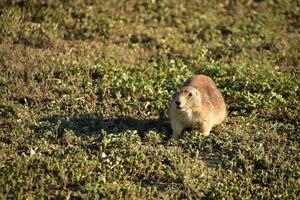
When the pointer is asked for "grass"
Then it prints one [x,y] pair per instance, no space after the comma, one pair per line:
[85,87]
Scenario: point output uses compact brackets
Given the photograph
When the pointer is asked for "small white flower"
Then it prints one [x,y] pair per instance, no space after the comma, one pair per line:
[33,151]
[103,155]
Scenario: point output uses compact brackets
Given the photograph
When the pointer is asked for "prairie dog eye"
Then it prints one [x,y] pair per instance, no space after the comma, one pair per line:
[190,94]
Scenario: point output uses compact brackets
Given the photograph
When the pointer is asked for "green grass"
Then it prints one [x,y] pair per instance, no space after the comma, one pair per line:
[85,88]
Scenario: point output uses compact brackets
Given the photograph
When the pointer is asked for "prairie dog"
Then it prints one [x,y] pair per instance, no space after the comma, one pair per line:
[198,104]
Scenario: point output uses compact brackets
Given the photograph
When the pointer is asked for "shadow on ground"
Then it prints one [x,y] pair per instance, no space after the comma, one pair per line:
[92,125]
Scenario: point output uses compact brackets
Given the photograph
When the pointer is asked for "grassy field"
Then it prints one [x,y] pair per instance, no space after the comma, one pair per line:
[85,88]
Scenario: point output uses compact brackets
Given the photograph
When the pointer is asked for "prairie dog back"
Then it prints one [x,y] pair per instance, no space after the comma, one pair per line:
[207,86]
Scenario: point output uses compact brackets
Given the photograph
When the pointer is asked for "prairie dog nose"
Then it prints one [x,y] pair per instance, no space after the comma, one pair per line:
[177,103]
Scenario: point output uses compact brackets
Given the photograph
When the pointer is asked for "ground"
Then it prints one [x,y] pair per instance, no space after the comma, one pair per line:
[85,88]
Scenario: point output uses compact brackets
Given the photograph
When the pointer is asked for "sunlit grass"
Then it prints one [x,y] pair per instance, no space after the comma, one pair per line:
[85,89]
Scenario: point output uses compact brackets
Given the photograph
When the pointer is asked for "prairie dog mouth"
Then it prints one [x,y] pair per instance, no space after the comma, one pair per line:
[179,108]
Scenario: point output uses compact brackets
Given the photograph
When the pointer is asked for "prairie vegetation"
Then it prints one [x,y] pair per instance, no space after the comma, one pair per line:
[85,87]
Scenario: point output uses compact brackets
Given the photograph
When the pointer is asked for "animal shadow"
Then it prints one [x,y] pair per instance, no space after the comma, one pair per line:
[92,125]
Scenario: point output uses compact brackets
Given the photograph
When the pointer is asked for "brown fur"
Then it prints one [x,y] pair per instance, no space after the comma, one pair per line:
[199,104]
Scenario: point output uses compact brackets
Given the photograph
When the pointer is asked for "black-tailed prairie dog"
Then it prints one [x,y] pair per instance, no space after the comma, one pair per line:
[198,104]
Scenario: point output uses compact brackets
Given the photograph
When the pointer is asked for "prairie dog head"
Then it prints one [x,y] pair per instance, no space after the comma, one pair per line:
[187,98]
